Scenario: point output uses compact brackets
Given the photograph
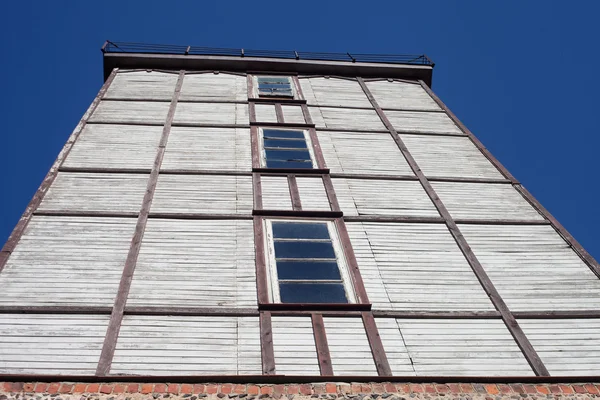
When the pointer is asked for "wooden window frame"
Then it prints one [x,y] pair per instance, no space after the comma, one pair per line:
[255,94]
[307,138]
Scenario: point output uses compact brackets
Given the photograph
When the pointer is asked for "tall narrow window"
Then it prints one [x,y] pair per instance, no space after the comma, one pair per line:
[286,149]
[306,263]
[275,86]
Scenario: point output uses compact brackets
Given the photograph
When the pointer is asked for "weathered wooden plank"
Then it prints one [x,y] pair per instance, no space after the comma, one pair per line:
[403,95]
[422,122]
[294,346]
[142,85]
[345,119]
[214,87]
[395,348]
[321,344]
[333,92]
[140,112]
[312,193]
[211,113]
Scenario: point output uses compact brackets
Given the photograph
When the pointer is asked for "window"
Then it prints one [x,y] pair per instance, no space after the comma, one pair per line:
[275,86]
[284,148]
[306,263]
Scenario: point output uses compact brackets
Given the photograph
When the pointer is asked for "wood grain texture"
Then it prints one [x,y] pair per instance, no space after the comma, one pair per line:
[333,92]
[294,346]
[422,122]
[293,114]
[395,348]
[137,112]
[214,87]
[266,344]
[211,113]
[321,344]
[345,119]
[294,193]
[143,85]
[408,96]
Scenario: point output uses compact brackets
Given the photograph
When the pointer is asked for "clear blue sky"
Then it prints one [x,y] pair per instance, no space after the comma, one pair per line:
[519,74]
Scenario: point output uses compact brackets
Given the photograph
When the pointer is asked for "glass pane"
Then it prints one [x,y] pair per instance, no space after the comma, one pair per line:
[298,230]
[304,250]
[271,79]
[287,155]
[313,270]
[274,86]
[297,144]
[275,133]
[312,293]
[289,164]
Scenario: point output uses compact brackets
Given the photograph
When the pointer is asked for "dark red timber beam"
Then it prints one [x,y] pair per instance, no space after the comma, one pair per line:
[320,336]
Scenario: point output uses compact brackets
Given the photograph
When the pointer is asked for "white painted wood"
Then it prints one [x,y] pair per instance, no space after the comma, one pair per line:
[203,194]
[294,346]
[395,349]
[211,114]
[383,197]
[422,122]
[292,114]
[401,95]
[115,146]
[346,119]
[265,112]
[533,268]
[349,347]
[139,112]
[275,193]
[462,347]
[362,153]
[417,267]
[214,87]
[186,345]
[67,261]
[333,92]
[566,346]
[207,263]
[51,344]
[484,201]
[225,149]
[445,156]
[95,192]
[142,85]
[312,194]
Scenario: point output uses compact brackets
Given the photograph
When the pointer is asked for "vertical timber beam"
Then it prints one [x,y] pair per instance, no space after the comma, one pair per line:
[114,325]
[379,357]
[321,343]
[294,192]
[19,229]
[511,323]
[266,344]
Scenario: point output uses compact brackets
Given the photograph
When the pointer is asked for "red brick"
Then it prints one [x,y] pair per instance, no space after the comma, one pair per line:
[429,388]
[28,387]
[355,388]
[65,388]
[442,388]
[378,388]
[542,389]
[79,388]
[239,389]
[186,388]
[416,388]
[517,388]
[319,388]
[529,389]
[212,389]
[226,388]
[253,390]
[504,389]
[41,387]
[366,388]
[331,388]
[198,389]
[466,388]
[53,388]
[147,388]
[305,389]
[266,390]
[17,386]
[173,388]
[7,386]
[133,388]
[278,389]
[492,389]
[389,388]
[403,388]
[554,389]
[160,388]
[591,388]
[567,389]
[454,387]
[579,389]
[294,389]
[106,389]
[479,388]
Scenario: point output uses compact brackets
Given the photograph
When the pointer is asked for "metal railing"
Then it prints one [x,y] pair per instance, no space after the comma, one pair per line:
[124,47]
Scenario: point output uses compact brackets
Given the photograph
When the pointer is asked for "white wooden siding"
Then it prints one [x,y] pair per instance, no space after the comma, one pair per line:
[445,156]
[462,347]
[140,112]
[208,263]
[265,112]
[115,146]
[142,85]
[362,153]
[402,95]
[419,266]
[95,192]
[346,119]
[484,201]
[294,346]
[214,87]
[208,149]
[293,114]
[203,194]
[333,92]
[211,114]
[275,193]
[422,122]
[566,346]
[395,350]
[349,347]
[67,261]
[187,345]
[312,194]
[533,268]
[383,197]
[51,344]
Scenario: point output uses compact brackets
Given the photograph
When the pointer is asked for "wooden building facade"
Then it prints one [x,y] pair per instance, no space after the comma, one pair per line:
[221,216]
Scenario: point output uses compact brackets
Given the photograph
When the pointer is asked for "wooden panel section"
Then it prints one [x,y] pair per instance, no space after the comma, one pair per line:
[180,345]
[345,119]
[394,346]
[333,92]
[294,346]
[208,263]
[484,201]
[142,85]
[568,347]
[265,112]
[533,268]
[349,347]
[115,146]
[293,114]
[312,194]
[95,192]
[402,95]
[214,87]
[445,156]
[462,347]
[362,153]
[211,114]
[382,197]
[419,266]
[203,194]
[132,112]
[51,344]
[225,149]
[67,261]
[422,122]
[275,193]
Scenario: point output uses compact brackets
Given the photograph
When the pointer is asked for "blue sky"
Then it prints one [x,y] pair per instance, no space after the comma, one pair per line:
[519,74]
